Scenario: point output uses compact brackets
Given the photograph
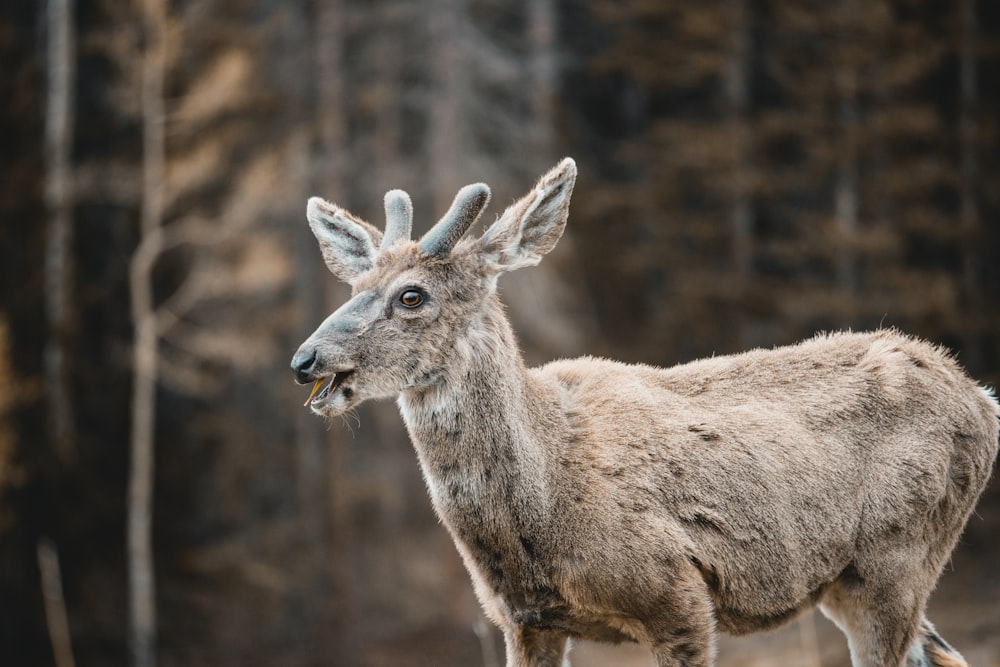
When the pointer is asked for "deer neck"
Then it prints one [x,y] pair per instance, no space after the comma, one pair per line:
[476,430]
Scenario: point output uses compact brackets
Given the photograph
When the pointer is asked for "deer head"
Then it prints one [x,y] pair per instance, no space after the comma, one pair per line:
[412,302]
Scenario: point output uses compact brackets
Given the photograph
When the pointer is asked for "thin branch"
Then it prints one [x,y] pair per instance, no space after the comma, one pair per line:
[187,378]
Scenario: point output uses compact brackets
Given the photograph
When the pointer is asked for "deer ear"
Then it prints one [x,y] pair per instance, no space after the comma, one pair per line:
[532,225]
[349,244]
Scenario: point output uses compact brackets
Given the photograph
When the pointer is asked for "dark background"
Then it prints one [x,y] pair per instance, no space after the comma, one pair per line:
[751,173]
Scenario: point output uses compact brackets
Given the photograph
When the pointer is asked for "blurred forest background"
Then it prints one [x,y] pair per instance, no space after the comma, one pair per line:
[751,172]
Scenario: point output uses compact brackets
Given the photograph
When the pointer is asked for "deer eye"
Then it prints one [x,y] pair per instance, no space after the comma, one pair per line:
[411,298]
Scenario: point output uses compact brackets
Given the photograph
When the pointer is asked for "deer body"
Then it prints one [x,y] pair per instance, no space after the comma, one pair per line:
[590,498]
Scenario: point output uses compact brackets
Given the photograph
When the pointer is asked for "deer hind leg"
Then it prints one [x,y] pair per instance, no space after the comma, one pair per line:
[528,647]
[881,624]
[887,629]
[871,646]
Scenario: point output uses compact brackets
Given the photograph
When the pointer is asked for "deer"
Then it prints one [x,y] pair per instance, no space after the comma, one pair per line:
[593,499]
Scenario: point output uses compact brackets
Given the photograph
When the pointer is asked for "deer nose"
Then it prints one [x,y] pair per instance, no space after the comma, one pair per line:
[303,363]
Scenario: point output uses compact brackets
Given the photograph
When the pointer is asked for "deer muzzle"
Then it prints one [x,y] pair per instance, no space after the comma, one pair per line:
[327,351]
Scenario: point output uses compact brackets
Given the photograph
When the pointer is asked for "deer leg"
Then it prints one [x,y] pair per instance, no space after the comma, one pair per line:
[685,651]
[881,624]
[685,637]
[527,647]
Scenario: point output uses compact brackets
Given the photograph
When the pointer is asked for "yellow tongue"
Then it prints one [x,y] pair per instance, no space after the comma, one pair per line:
[316,387]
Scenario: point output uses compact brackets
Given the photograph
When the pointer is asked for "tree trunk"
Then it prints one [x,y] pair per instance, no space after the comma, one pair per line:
[387,48]
[846,198]
[55,604]
[142,597]
[969,175]
[446,131]
[737,95]
[544,79]
[318,459]
[59,238]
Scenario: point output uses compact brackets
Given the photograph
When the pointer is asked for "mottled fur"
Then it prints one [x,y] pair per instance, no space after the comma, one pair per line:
[590,498]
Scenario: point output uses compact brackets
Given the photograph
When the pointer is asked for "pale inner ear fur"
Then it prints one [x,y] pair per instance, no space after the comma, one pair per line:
[347,242]
[532,226]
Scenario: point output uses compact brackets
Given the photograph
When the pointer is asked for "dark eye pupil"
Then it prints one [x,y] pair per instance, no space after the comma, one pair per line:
[411,298]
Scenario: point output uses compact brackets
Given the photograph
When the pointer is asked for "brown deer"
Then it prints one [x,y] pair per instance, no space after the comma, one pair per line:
[594,499]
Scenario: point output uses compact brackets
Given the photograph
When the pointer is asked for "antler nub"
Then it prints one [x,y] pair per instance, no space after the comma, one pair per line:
[398,217]
[465,210]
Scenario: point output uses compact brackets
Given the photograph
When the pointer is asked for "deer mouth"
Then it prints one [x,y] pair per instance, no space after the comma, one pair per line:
[326,386]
